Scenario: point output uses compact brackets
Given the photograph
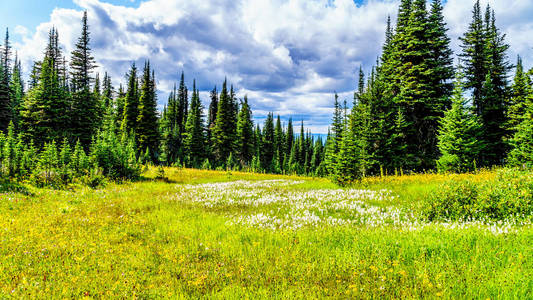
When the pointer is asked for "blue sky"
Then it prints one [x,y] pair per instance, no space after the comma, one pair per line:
[288,56]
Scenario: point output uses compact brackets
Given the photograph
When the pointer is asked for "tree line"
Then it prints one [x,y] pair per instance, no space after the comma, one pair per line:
[414,112]
[66,123]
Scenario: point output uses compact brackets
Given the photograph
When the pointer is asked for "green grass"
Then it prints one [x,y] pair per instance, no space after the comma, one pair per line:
[153,239]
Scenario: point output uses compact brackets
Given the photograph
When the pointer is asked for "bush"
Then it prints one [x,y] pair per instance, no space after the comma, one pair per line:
[509,195]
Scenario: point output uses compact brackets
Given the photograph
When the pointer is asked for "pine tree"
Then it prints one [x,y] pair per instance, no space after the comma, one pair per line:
[147,130]
[289,138]
[85,116]
[245,133]
[459,135]
[194,140]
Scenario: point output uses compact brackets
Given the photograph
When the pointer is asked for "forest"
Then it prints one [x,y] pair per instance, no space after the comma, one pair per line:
[418,110]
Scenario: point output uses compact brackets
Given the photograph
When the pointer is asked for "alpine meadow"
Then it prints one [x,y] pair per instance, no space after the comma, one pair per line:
[422,187]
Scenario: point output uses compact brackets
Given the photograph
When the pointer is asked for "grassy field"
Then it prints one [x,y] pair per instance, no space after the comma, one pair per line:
[207,234]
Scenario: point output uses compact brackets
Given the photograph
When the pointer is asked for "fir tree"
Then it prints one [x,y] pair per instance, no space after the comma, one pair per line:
[17,93]
[267,145]
[522,141]
[44,116]
[131,103]
[194,140]
[245,133]
[223,136]
[521,92]
[147,130]
[459,135]
[85,116]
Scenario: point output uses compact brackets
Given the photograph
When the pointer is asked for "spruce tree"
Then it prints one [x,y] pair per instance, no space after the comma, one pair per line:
[194,140]
[131,103]
[44,115]
[334,141]
[245,133]
[17,93]
[267,145]
[85,116]
[182,105]
[521,92]
[223,136]
[5,91]
[522,141]
[474,57]
[147,130]
[459,135]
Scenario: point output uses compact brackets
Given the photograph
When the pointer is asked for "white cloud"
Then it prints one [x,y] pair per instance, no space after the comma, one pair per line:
[287,55]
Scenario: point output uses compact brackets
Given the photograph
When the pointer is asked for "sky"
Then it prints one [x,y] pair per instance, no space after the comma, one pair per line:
[288,56]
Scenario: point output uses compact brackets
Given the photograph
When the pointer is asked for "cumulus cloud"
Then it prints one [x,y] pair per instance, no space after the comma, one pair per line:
[289,56]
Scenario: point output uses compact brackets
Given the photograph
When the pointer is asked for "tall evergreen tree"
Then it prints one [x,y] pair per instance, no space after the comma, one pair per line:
[267,145]
[194,140]
[5,92]
[85,116]
[131,103]
[521,92]
[147,130]
[459,134]
[245,133]
[44,116]
[335,139]
[223,136]
[17,93]
[182,105]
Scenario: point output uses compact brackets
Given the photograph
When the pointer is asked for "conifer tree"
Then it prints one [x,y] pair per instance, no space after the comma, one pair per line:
[459,135]
[182,105]
[147,130]
[521,92]
[194,140]
[5,92]
[212,113]
[85,116]
[473,44]
[289,138]
[44,115]
[493,122]
[223,136]
[279,140]
[334,141]
[522,141]
[267,145]
[17,93]
[245,134]
[131,103]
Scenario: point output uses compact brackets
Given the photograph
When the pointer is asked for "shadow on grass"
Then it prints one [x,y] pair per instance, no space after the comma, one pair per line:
[7,186]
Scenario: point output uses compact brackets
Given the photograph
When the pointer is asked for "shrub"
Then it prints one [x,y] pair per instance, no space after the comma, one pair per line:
[509,195]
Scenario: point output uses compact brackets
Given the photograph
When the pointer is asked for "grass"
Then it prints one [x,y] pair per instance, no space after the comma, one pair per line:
[153,239]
